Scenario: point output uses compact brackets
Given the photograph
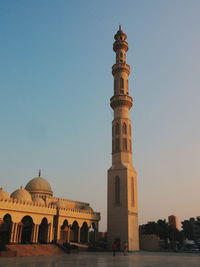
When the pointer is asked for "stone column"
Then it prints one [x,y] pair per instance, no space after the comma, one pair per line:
[49,235]
[36,233]
[19,236]
[12,232]
[68,235]
[79,234]
[48,232]
[33,234]
[52,233]
[88,235]
[15,235]
[96,230]
[58,233]
[34,237]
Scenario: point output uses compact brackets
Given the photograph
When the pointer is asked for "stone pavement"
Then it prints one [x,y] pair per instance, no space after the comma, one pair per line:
[138,259]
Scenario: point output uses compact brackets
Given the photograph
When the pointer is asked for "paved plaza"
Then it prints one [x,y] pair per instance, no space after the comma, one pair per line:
[138,259]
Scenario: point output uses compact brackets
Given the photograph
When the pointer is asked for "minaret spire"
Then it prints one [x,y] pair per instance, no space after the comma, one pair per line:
[121,101]
[122,178]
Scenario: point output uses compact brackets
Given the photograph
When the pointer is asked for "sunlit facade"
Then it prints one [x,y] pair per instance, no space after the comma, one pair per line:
[122,177]
[33,215]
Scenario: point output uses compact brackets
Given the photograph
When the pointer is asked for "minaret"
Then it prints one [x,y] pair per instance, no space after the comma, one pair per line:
[122,178]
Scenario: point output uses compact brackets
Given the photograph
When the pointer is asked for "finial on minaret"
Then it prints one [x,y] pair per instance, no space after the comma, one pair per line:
[39,173]
[120,28]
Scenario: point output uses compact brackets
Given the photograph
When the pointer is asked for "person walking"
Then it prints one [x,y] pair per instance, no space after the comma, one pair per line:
[114,248]
[125,248]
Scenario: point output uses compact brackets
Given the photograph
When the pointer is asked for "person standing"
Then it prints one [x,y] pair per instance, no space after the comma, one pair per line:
[125,248]
[114,248]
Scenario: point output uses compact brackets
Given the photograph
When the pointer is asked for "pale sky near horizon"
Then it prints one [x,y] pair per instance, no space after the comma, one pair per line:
[55,86]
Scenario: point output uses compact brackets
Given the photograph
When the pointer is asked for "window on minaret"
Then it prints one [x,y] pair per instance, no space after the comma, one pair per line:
[117,128]
[125,145]
[115,86]
[121,83]
[121,57]
[127,86]
[117,191]
[124,128]
[117,145]
[132,193]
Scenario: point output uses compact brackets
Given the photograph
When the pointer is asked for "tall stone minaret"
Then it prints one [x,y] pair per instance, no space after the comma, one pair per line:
[122,178]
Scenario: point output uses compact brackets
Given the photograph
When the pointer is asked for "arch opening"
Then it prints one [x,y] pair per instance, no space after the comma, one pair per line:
[74,233]
[117,191]
[124,128]
[43,231]
[84,233]
[6,229]
[132,192]
[92,233]
[117,128]
[27,229]
[64,232]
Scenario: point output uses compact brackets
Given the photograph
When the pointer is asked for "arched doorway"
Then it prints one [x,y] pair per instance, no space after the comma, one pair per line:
[84,233]
[64,232]
[27,229]
[74,232]
[43,231]
[6,229]
[92,233]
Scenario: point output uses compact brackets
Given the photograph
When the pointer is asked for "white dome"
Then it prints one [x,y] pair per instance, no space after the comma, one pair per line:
[4,194]
[21,194]
[39,185]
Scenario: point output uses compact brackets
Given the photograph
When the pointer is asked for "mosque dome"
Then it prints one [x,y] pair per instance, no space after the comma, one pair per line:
[88,208]
[3,194]
[21,194]
[39,185]
[38,200]
[61,204]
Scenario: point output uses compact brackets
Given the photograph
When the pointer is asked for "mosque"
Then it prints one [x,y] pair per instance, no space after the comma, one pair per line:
[34,215]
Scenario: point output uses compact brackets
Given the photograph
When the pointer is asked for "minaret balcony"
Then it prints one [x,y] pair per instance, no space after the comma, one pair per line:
[121,100]
[120,67]
[120,45]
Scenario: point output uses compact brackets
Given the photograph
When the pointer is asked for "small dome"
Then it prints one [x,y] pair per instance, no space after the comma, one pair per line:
[38,200]
[61,204]
[3,194]
[39,185]
[88,208]
[21,194]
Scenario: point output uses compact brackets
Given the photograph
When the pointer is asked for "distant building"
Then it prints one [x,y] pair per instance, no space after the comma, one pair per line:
[191,228]
[173,221]
[161,234]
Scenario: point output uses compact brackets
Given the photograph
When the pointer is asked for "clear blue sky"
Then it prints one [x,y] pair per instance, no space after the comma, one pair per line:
[55,85]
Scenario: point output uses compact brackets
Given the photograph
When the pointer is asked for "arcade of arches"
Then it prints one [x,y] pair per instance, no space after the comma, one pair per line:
[34,215]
